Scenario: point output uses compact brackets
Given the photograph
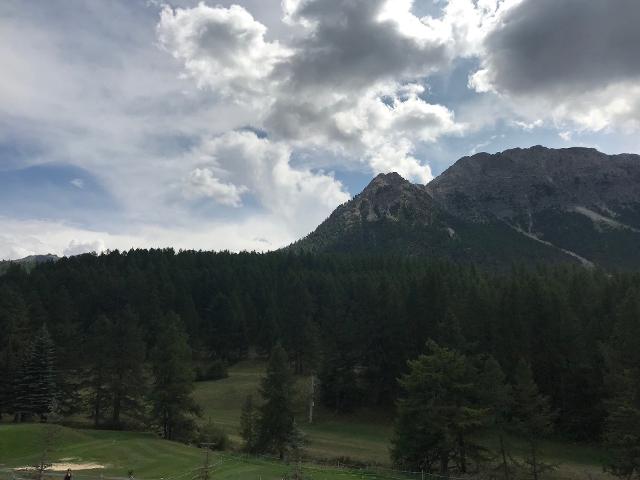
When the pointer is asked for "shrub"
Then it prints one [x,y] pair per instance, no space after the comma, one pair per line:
[213,436]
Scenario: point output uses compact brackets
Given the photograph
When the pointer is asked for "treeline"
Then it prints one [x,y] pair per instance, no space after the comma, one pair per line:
[355,321]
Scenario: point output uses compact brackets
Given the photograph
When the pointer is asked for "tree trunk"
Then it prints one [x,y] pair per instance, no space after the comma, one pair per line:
[503,453]
[97,409]
[463,454]
[534,462]
[116,409]
[444,463]
[117,401]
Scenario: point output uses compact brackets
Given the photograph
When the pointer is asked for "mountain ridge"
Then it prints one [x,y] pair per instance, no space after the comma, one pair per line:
[28,262]
[575,205]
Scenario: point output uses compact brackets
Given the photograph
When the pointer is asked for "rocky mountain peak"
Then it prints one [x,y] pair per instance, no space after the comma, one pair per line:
[392,179]
[520,182]
[390,196]
[523,205]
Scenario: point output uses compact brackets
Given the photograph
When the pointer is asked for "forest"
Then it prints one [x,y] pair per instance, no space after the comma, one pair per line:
[119,337]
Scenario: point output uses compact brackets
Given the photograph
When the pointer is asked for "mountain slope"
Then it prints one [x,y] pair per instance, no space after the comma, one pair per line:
[535,205]
[577,199]
[28,263]
[393,216]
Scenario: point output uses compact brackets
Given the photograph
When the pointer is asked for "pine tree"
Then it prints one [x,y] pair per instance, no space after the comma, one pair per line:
[276,426]
[14,327]
[622,427]
[171,393]
[532,418]
[248,425]
[64,328]
[41,375]
[126,380]
[438,412]
[97,355]
[496,395]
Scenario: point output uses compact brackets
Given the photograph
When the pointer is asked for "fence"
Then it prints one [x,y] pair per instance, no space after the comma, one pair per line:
[312,471]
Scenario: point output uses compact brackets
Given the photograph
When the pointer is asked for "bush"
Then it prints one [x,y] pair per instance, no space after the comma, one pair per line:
[217,370]
[215,437]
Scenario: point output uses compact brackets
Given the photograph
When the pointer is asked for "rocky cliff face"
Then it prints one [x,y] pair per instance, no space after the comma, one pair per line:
[516,184]
[388,197]
[521,205]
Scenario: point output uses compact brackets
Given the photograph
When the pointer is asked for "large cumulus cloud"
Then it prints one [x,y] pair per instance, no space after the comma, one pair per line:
[349,83]
[576,59]
[240,162]
[222,48]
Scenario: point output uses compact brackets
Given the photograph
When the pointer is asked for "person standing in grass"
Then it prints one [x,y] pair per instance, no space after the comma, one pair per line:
[67,476]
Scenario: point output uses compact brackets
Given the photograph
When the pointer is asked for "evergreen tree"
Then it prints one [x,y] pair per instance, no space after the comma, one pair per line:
[64,329]
[622,433]
[126,381]
[531,418]
[97,355]
[438,412]
[622,427]
[14,327]
[340,388]
[171,393]
[40,375]
[276,427]
[248,425]
[495,394]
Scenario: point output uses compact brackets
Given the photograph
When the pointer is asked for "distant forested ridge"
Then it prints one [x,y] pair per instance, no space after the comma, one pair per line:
[354,320]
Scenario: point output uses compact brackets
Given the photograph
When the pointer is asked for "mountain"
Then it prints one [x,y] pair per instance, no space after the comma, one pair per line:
[28,262]
[535,205]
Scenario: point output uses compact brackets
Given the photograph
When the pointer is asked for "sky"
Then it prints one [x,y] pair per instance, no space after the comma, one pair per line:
[220,125]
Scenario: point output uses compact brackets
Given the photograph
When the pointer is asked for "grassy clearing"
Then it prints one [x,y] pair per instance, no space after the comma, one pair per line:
[149,457]
[363,437]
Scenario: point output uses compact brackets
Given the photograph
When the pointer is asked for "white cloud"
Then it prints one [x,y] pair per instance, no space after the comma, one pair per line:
[151,103]
[528,126]
[573,62]
[77,182]
[201,182]
[566,136]
[21,238]
[298,196]
[341,87]
[222,48]
[76,247]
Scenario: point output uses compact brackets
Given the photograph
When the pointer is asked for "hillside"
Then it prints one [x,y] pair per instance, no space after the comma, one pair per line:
[364,436]
[111,455]
[28,263]
[535,205]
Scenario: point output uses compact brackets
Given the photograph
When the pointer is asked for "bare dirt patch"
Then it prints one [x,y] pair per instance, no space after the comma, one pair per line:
[64,466]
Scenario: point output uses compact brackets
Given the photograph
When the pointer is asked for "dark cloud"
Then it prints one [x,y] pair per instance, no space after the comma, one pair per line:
[565,46]
[350,48]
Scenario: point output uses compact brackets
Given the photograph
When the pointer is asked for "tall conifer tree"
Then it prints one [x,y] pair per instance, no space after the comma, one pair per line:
[532,418]
[171,394]
[276,426]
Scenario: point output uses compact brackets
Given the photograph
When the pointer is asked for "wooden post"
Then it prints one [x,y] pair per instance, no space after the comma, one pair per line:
[312,397]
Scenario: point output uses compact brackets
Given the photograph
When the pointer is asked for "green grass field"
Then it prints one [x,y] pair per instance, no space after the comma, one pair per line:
[146,455]
[364,436]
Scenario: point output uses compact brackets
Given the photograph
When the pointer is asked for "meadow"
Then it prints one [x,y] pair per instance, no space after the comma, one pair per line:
[145,455]
[361,439]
